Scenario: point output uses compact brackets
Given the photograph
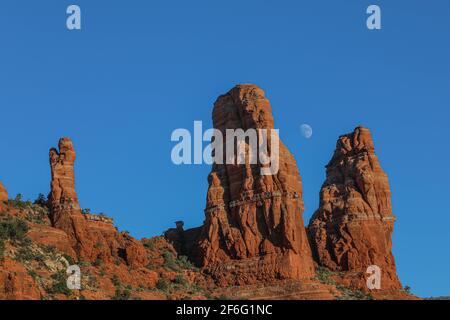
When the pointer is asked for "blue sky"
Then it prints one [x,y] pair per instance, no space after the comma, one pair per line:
[140,69]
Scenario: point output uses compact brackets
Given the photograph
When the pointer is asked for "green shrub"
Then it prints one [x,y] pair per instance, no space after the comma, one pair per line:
[51,250]
[176,264]
[349,294]
[69,259]
[122,294]
[13,229]
[181,280]
[162,285]
[18,202]
[59,285]
[324,275]
[115,280]
[38,214]
[184,263]
[25,253]
[2,249]
[151,266]
[98,262]
[41,201]
[169,261]
[33,274]
[149,244]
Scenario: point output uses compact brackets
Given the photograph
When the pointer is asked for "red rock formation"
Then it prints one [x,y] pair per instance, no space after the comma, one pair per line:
[65,209]
[16,283]
[3,194]
[52,237]
[353,226]
[94,238]
[254,227]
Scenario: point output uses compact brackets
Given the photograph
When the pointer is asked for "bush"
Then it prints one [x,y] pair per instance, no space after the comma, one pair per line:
[162,285]
[26,254]
[18,202]
[184,263]
[122,294]
[41,201]
[13,229]
[98,262]
[69,259]
[33,274]
[349,294]
[38,214]
[169,261]
[324,275]
[59,284]
[181,280]
[176,264]
[115,280]
[2,249]
[149,245]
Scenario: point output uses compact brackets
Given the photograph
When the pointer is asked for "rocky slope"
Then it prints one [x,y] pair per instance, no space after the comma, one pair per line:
[252,245]
[40,240]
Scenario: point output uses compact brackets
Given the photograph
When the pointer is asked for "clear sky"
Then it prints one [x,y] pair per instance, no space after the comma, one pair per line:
[140,69]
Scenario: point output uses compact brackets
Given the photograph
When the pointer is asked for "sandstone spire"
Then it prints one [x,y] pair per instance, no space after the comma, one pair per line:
[64,207]
[254,228]
[353,226]
[63,195]
[92,237]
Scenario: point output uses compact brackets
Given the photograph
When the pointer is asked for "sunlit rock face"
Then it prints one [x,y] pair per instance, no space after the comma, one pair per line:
[253,229]
[63,201]
[352,229]
[93,238]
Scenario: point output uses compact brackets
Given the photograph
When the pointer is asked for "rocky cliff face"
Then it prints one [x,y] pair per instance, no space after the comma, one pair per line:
[353,226]
[253,229]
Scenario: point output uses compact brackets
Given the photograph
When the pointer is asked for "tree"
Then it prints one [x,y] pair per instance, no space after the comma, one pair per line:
[41,200]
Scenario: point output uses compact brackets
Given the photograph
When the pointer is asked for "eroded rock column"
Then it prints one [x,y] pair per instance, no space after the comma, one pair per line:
[352,229]
[253,228]
[65,210]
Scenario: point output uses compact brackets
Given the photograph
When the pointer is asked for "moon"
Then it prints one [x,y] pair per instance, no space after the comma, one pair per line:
[307,131]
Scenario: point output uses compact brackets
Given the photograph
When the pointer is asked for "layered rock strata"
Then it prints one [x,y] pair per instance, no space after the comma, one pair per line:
[254,228]
[352,229]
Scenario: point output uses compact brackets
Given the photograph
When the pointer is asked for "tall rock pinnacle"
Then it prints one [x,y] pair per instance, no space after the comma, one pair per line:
[63,195]
[64,207]
[92,237]
[352,229]
[254,228]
